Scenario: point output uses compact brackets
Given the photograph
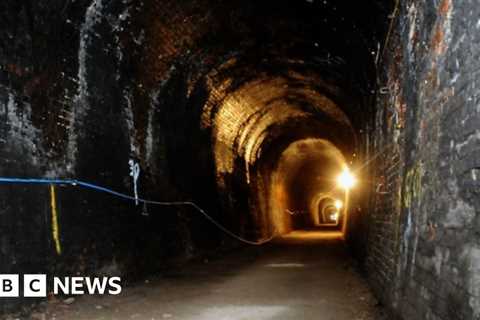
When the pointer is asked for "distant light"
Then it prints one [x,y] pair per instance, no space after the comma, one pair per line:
[334,216]
[346,180]
[338,204]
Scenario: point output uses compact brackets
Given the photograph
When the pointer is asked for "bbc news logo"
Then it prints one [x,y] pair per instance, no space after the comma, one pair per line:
[35,285]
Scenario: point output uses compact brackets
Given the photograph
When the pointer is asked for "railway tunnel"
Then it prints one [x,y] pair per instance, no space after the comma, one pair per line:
[240,160]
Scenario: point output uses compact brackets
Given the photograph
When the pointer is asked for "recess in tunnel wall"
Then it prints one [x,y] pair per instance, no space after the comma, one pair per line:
[428,111]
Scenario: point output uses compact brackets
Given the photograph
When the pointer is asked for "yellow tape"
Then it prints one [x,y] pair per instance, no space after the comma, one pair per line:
[55,232]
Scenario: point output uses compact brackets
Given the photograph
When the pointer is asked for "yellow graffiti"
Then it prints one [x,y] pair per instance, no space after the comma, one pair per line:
[55,232]
[413,185]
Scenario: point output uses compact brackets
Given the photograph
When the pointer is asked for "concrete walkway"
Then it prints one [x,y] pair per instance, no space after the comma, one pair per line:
[305,275]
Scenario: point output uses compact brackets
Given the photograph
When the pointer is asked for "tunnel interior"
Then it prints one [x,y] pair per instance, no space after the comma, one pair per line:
[304,184]
[283,113]
[138,135]
[247,109]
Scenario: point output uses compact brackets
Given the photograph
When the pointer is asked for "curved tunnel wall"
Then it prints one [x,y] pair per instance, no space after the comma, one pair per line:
[255,117]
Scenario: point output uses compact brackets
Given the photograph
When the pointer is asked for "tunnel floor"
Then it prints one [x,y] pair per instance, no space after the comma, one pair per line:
[304,275]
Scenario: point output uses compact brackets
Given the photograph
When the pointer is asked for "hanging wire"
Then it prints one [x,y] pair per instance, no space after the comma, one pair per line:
[87,185]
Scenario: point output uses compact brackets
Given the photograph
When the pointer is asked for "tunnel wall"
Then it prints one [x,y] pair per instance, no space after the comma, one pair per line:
[85,87]
[423,252]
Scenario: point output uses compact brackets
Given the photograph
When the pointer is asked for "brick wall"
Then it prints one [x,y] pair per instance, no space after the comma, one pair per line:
[423,241]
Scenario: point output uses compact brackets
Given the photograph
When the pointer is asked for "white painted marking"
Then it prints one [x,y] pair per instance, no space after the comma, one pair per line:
[134,173]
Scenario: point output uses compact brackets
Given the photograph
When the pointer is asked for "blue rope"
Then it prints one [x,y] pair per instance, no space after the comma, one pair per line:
[73,182]
[34,181]
[87,185]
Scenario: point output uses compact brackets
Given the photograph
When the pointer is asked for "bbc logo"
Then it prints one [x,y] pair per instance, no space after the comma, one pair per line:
[34,285]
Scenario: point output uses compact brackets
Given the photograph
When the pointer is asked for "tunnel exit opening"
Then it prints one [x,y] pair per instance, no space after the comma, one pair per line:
[305,191]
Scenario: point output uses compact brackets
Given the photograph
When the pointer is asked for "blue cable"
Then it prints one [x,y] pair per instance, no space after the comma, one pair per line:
[73,182]
[34,181]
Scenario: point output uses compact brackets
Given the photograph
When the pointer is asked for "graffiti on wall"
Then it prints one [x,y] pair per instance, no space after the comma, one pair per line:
[54,217]
[134,173]
[413,184]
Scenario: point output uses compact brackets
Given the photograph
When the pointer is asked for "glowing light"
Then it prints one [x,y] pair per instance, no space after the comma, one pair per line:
[338,204]
[334,216]
[346,179]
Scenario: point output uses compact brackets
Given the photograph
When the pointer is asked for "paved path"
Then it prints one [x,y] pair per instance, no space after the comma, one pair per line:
[302,276]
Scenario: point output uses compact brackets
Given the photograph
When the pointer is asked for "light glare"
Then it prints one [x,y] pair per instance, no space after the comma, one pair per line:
[346,180]
[338,204]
